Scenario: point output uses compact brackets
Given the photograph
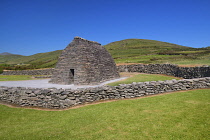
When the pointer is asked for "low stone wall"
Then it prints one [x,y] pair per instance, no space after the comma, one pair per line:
[29,72]
[65,98]
[168,69]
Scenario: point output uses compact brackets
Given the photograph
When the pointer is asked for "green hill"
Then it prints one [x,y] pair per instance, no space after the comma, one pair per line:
[40,60]
[151,51]
[124,51]
[5,59]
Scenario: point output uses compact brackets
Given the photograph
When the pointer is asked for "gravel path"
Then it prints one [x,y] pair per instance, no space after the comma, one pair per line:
[44,84]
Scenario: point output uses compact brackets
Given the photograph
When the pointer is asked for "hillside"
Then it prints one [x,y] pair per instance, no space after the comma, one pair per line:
[151,51]
[7,57]
[124,51]
[40,60]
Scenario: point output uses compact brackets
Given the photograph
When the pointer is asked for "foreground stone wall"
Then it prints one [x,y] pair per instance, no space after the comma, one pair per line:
[168,69]
[64,98]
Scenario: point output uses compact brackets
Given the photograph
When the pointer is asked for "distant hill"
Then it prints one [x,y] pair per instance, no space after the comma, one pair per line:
[6,57]
[6,53]
[124,51]
[40,60]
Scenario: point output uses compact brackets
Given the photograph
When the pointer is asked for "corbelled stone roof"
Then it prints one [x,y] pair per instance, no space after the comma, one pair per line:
[84,62]
[82,39]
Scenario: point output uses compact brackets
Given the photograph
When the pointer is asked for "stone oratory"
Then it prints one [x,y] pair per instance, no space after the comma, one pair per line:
[84,62]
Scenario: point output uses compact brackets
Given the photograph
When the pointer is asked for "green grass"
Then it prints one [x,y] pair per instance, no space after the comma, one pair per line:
[182,115]
[203,60]
[191,52]
[16,77]
[143,78]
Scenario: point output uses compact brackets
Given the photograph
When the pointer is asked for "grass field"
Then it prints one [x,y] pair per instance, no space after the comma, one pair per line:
[181,115]
[136,77]
[15,77]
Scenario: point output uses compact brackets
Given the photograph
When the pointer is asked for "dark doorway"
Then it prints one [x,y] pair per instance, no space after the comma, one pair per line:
[71,76]
[72,72]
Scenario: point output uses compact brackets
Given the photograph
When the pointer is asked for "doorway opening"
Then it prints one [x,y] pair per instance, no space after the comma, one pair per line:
[71,76]
[72,72]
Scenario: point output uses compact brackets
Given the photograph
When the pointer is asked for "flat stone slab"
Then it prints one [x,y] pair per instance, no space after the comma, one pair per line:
[43,83]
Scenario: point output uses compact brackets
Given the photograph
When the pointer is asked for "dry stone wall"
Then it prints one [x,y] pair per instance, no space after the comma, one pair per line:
[168,69]
[29,72]
[65,98]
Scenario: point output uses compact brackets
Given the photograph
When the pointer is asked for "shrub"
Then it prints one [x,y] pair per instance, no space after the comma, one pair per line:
[1,70]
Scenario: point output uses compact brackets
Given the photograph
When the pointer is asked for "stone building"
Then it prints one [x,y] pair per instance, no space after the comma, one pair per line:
[84,62]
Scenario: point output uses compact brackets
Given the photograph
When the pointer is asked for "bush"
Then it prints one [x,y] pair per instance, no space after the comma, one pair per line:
[1,70]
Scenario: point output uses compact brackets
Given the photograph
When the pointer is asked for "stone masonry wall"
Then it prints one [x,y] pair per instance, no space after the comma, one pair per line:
[65,98]
[168,69]
[29,72]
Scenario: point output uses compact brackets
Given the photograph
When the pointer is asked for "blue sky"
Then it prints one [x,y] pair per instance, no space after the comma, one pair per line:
[35,26]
